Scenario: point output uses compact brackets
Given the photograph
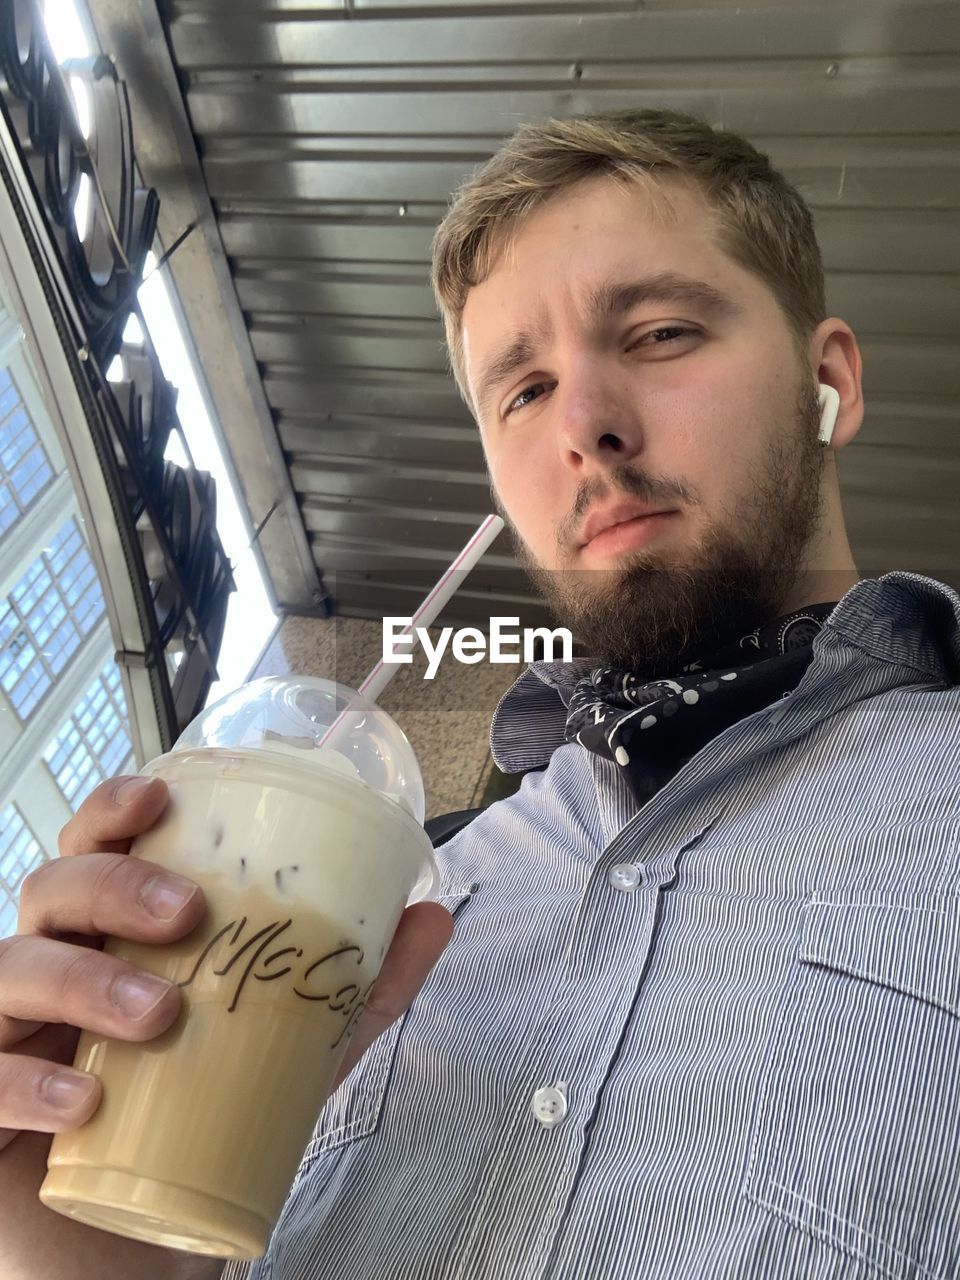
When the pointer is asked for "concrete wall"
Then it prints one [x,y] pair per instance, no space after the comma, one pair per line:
[447,719]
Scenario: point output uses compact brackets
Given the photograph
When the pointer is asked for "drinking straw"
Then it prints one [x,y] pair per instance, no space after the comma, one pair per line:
[433,604]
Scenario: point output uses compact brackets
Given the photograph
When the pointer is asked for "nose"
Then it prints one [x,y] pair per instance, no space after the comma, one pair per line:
[600,427]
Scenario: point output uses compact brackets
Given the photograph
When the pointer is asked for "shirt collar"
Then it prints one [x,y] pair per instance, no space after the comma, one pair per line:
[902,618]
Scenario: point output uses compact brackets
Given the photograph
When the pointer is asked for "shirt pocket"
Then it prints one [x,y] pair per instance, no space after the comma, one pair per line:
[353,1111]
[856,1134]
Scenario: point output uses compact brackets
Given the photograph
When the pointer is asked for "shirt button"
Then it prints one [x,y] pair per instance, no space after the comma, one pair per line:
[625,876]
[550,1104]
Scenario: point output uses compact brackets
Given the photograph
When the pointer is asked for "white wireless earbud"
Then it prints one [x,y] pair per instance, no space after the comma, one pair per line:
[829,408]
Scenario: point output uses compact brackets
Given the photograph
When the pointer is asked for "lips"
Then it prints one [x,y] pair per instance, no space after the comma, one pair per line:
[600,521]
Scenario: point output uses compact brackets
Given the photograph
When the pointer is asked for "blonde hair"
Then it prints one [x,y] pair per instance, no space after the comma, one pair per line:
[761,221]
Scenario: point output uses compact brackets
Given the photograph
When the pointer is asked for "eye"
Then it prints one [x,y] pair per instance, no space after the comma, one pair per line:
[664,335]
[523,398]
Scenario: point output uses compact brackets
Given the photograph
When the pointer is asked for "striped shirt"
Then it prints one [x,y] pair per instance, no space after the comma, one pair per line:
[716,1037]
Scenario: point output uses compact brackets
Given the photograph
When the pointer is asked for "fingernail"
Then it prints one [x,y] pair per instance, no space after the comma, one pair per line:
[135,994]
[165,896]
[128,791]
[67,1090]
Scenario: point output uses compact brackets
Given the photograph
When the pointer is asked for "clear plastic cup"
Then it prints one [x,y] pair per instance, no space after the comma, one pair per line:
[307,854]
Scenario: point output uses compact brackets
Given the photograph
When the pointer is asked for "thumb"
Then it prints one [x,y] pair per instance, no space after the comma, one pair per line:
[422,934]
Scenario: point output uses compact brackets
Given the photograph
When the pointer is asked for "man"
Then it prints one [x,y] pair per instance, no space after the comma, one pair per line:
[700,1018]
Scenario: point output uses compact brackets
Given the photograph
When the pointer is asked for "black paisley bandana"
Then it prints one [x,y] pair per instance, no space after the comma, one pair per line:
[652,728]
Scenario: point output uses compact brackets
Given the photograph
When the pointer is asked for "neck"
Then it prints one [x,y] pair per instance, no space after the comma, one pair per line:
[820,586]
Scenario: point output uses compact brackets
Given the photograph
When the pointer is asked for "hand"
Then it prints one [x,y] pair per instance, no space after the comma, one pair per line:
[54,980]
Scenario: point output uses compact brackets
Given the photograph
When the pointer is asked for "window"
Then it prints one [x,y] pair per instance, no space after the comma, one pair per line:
[46,617]
[19,853]
[94,744]
[64,716]
[25,469]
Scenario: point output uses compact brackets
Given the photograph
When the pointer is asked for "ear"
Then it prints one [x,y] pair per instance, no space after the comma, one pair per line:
[835,356]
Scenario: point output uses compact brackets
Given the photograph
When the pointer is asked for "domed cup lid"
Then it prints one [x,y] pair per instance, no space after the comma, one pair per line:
[314,724]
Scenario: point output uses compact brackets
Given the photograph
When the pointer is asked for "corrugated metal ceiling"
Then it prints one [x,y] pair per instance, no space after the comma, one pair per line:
[331,135]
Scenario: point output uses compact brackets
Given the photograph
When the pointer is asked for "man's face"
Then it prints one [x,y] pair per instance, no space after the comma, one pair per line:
[621,363]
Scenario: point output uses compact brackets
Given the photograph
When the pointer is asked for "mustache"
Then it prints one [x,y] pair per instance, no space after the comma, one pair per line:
[625,480]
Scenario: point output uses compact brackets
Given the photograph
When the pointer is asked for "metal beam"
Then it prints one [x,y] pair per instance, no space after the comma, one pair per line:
[131,32]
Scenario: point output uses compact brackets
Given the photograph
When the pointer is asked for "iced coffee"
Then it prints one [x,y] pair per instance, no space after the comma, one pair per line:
[307,854]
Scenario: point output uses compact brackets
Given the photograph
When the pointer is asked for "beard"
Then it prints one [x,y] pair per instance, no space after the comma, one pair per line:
[656,617]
